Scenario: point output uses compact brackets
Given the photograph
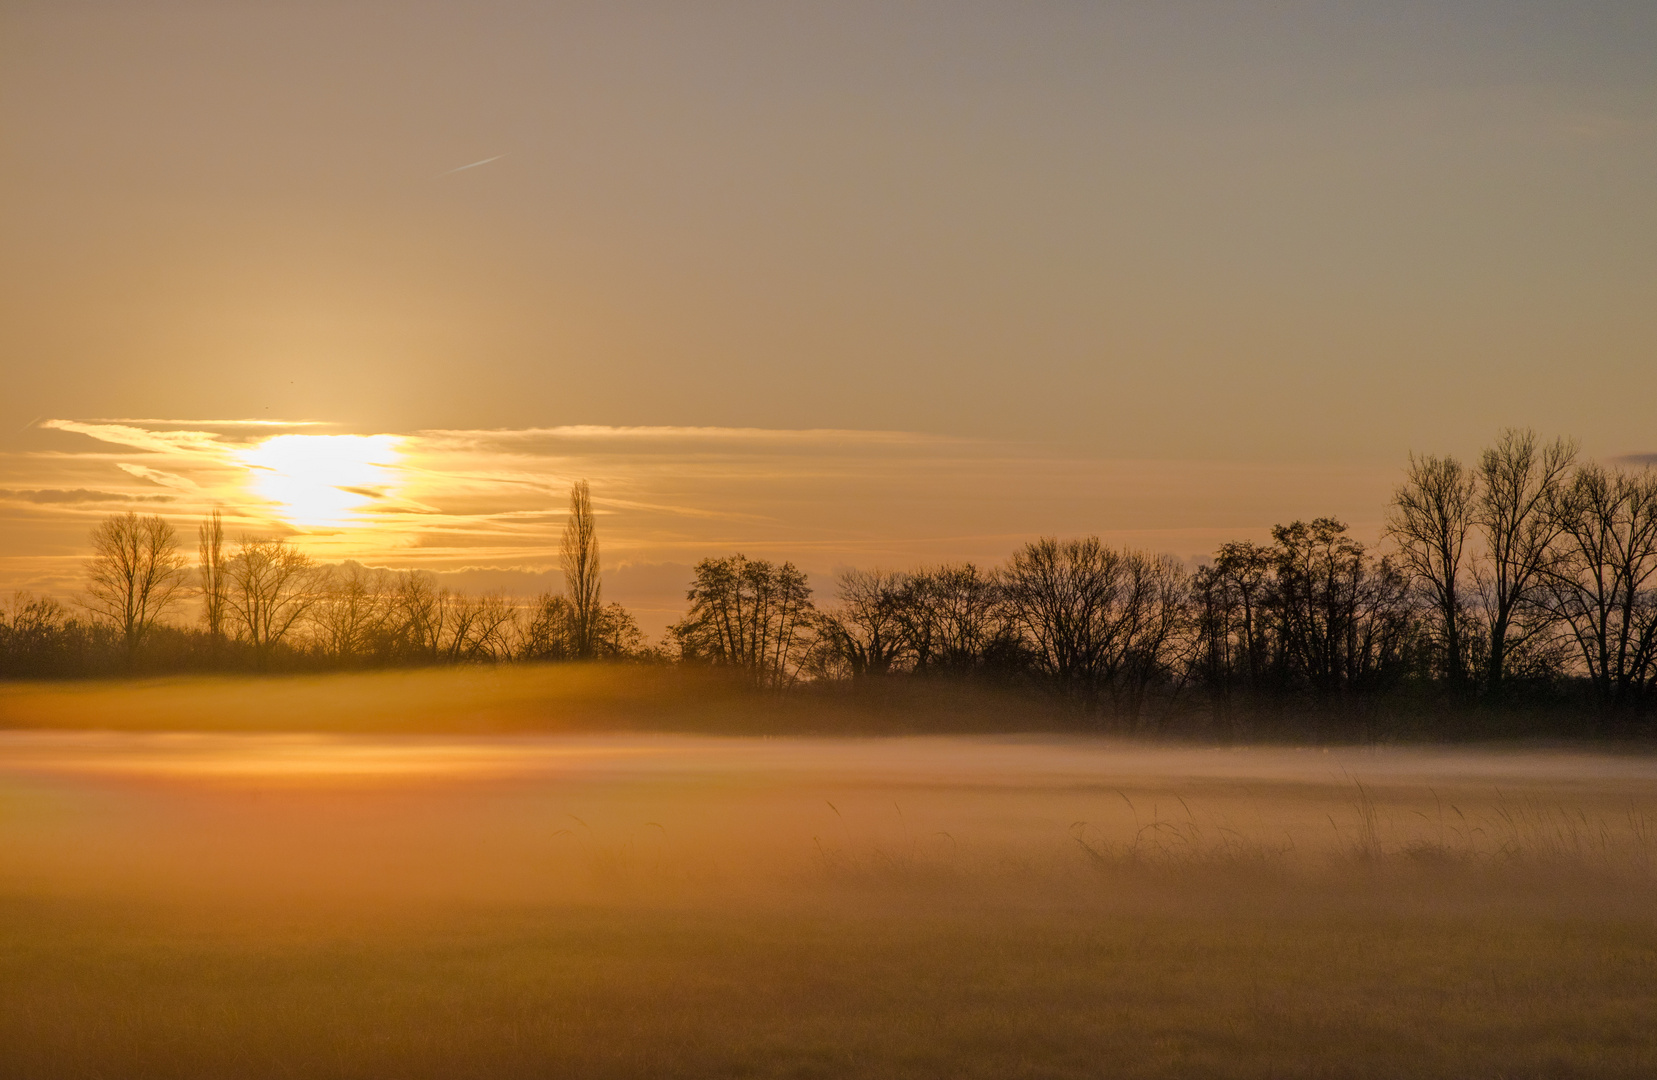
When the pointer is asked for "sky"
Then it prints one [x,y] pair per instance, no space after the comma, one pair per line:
[846,283]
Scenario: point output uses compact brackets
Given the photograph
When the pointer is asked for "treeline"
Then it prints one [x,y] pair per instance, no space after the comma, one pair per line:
[1524,580]
[264,605]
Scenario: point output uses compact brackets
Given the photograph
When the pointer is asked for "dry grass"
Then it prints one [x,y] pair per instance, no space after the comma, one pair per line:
[594,906]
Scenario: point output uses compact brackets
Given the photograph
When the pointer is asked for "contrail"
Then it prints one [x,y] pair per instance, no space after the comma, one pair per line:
[473,165]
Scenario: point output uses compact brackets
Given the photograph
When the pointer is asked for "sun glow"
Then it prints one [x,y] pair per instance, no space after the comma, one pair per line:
[322,480]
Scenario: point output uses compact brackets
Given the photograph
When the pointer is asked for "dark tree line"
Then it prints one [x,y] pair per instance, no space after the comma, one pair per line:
[1528,578]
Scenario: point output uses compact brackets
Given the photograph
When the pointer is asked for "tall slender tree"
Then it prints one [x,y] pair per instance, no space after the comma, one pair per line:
[581,573]
[211,569]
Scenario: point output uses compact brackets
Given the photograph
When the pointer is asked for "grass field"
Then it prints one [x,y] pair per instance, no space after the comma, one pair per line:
[241,904]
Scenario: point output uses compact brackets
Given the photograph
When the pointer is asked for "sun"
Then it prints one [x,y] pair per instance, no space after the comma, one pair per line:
[320,481]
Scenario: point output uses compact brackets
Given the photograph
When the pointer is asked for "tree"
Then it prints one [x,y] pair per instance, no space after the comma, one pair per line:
[1099,622]
[1343,618]
[211,570]
[955,621]
[135,574]
[1244,569]
[1520,484]
[1600,584]
[750,614]
[38,637]
[1060,593]
[581,573]
[422,610]
[618,634]
[867,632]
[1430,517]
[480,629]
[269,592]
[548,634]
[351,612]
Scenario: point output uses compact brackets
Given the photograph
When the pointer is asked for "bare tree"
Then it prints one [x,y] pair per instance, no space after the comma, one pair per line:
[1099,622]
[480,629]
[1600,586]
[581,574]
[547,633]
[351,612]
[619,635]
[748,613]
[1430,517]
[1245,569]
[866,632]
[954,620]
[210,568]
[422,610]
[1343,617]
[1520,484]
[269,592]
[134,575]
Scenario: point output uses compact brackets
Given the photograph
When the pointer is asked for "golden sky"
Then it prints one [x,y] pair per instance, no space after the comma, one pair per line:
[1167,270]
[485,508]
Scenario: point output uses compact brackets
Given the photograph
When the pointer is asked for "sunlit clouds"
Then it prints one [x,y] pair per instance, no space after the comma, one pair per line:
[473,500]
[322,480]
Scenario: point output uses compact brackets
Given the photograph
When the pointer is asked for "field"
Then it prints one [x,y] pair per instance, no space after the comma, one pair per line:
[345,901]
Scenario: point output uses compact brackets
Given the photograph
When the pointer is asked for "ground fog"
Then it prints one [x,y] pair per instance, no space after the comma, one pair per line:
[215,904]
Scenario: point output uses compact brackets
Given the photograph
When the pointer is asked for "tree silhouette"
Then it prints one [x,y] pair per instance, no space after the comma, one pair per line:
[134,575]
[581,572]
[269,592]
[1599,585]
[750,614]
[1430,517]
[1520,485]
[211,570]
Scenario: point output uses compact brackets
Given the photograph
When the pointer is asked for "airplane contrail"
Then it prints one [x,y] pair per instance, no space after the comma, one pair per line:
[473,165]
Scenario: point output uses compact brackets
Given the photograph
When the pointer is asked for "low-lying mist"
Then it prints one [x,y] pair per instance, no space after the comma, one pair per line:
[676,818]
[227,898]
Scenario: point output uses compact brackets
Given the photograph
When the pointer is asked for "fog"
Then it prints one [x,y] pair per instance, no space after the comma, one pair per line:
[401,820]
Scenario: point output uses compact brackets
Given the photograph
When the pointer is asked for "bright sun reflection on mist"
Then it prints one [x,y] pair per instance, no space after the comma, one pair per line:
[322,480]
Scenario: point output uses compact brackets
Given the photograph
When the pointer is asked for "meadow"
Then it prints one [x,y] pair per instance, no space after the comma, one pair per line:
[211,879]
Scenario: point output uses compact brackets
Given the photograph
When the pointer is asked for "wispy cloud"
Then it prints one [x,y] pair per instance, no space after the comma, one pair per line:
[664,433]
[50,496]
[188,442]
[473,165]
[156,476]
[210,424]
[448,498]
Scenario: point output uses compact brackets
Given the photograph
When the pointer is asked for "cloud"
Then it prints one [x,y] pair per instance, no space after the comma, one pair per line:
[152,422]
[190,443]
[1636,459]
[157,477]
[665,433]
[455,499]
[473,165]
[79,495]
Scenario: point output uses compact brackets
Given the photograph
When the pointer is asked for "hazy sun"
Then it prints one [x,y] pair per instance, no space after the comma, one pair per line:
[321,480]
